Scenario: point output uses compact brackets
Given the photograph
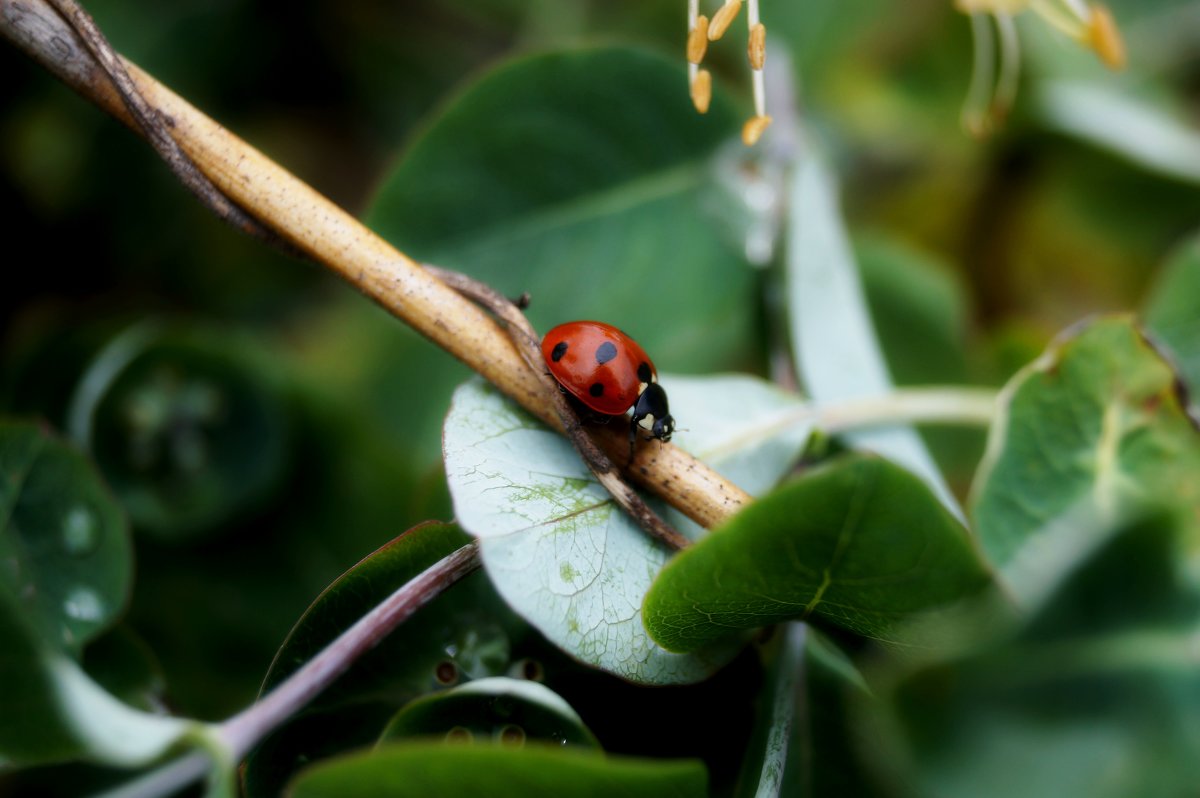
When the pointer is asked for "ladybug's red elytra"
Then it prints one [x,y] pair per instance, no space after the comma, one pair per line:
[607,371]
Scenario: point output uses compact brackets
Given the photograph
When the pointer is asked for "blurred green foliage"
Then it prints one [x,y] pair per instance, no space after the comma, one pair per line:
[278,428]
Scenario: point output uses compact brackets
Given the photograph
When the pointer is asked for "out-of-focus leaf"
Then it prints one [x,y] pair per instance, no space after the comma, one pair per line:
[1122,124]
[768,754]
[1172,312]
[920,309]
[66,560]
[1097,695]
[837,353]
[354,593]
[1089,433]
[500,709]
[63,541]
[348,493]
[578,176]
[860,544]
[465,634]
[183,423]
[424,769]
[124,665]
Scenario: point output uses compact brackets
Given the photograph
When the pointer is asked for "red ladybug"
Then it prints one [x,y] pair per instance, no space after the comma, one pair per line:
[606,370]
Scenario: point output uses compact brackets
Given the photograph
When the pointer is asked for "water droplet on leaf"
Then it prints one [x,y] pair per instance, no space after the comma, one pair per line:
[83,604]
[80,532]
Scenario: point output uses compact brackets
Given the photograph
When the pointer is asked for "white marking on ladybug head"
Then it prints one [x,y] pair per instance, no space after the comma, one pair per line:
[642,386]
[647,422]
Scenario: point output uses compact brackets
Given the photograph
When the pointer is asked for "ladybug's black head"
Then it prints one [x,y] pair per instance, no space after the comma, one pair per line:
[652,413]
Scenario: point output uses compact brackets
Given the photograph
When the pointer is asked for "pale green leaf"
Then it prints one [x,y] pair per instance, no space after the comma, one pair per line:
[1091,432]
[837,353]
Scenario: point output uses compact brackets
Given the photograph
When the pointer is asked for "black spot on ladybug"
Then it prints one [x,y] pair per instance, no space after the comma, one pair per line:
[605,352]
[597,389]
[644,373]
[560,349]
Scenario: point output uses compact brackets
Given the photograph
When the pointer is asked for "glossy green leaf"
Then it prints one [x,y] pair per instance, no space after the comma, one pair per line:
[1095,695]
[860,544]
[557,548]
[63,540]
[465,634]
[1171,313]
[425,769]
[503,710]
[1089,433]
[837,352]
[66,560]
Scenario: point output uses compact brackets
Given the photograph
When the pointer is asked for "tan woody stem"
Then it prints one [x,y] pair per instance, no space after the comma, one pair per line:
[316,227]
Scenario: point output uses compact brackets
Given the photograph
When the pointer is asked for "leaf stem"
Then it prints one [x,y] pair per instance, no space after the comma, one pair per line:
[239,734]
[935,404]
[787,695]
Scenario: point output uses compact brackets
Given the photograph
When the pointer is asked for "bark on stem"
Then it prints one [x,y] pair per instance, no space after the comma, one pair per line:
[318,228]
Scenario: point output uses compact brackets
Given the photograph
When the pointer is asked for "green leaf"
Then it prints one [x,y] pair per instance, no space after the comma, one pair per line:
[1171,311]
[424,769]
[1096,695]
[772,744]
[581,176]
[508,711]
[1089,433]
[354,593]
[838,355]
[123,664]
[63,541]
[465,634]
[553,543]
[1125,125]
[860,544]
[578,176]
[557,548]
[66,561]
[919,306]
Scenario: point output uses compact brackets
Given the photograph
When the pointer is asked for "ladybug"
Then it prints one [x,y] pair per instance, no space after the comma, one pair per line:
[606,370]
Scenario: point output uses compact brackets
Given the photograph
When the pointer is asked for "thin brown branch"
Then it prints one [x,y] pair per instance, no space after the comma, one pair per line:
[152,125]
[303,218]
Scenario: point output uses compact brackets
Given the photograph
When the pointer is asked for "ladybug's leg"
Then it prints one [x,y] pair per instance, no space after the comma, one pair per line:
[633,434]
